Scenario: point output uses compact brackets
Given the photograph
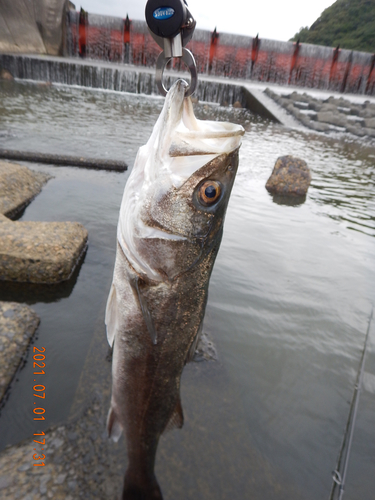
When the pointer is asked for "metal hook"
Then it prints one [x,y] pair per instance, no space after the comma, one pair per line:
[188,59]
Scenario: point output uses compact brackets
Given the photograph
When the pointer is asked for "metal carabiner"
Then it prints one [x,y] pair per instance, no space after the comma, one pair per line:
[188,59]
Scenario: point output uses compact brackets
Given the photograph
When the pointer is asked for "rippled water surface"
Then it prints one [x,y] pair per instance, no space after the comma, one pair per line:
[290,298]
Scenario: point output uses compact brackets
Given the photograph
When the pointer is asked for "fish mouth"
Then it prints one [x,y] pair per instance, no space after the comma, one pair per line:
[178,147]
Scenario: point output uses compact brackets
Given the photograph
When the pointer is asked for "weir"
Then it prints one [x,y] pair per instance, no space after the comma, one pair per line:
[138,80]
[108,39]
[109,76]
[225,55]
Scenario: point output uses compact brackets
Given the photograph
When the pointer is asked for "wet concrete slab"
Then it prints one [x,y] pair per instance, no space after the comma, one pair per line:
[18,323]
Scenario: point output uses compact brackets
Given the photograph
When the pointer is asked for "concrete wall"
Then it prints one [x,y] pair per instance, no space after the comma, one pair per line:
[32,26]
[224,54]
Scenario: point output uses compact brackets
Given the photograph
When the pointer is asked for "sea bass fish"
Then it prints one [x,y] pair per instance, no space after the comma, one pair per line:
[169,233]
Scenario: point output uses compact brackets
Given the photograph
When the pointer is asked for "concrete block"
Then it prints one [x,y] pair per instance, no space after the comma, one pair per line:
[327,107]
[319,127]
[369,122]
[40,252]
[18,187]
[366,113]
[333,118]
[315,105]
[370,132]
[356,130]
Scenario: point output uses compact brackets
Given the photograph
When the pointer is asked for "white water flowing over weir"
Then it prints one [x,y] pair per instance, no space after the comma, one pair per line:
[108,76]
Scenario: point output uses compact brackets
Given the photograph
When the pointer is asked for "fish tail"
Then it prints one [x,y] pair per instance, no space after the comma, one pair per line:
[146,491]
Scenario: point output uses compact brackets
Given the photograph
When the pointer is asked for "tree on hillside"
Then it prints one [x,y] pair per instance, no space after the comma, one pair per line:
[347,23]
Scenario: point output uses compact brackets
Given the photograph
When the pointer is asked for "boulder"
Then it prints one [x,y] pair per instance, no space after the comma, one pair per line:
[369,131]
[326,107]
[356,130]
[295,96]
[40,252]
[369,122]
[315,105]
[290,176]
[319,127]
[334,118]
[18,187]
[366,113]
[17,325]
[5,74]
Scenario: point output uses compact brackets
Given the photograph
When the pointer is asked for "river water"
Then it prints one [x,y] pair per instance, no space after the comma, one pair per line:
[290,298]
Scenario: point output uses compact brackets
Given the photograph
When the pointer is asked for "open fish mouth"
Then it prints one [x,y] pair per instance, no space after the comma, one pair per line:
[179,146]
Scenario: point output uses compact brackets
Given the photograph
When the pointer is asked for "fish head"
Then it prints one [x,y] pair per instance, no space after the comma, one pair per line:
[177,194]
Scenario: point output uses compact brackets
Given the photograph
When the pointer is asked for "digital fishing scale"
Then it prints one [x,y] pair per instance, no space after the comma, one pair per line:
[172,26]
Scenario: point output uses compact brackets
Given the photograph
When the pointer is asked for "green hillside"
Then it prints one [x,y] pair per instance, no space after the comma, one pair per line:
[348,23]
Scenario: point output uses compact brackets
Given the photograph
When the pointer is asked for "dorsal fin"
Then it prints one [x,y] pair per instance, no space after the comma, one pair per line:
[177,419]
[146,314]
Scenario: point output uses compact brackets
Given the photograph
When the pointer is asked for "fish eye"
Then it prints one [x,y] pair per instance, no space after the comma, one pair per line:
[209,192]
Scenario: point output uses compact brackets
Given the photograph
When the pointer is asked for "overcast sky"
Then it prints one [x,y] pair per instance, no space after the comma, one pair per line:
[275,19]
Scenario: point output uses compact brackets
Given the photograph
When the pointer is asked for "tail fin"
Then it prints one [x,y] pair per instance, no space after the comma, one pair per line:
[145,492]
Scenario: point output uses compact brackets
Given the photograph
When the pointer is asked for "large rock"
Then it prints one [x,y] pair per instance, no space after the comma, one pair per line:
[369,122]
[334,118]
[17,325]
[290,176]
[40,252]
[18,187]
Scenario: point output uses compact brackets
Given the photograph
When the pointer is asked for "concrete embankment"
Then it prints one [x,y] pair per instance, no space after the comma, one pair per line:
[35,27]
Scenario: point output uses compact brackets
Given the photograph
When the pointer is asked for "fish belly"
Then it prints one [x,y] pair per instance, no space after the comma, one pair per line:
[146,375]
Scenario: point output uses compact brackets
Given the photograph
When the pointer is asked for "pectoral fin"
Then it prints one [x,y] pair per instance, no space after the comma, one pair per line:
[114,427]
[177,419]
[146,314]
[194,345]
[111,315]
